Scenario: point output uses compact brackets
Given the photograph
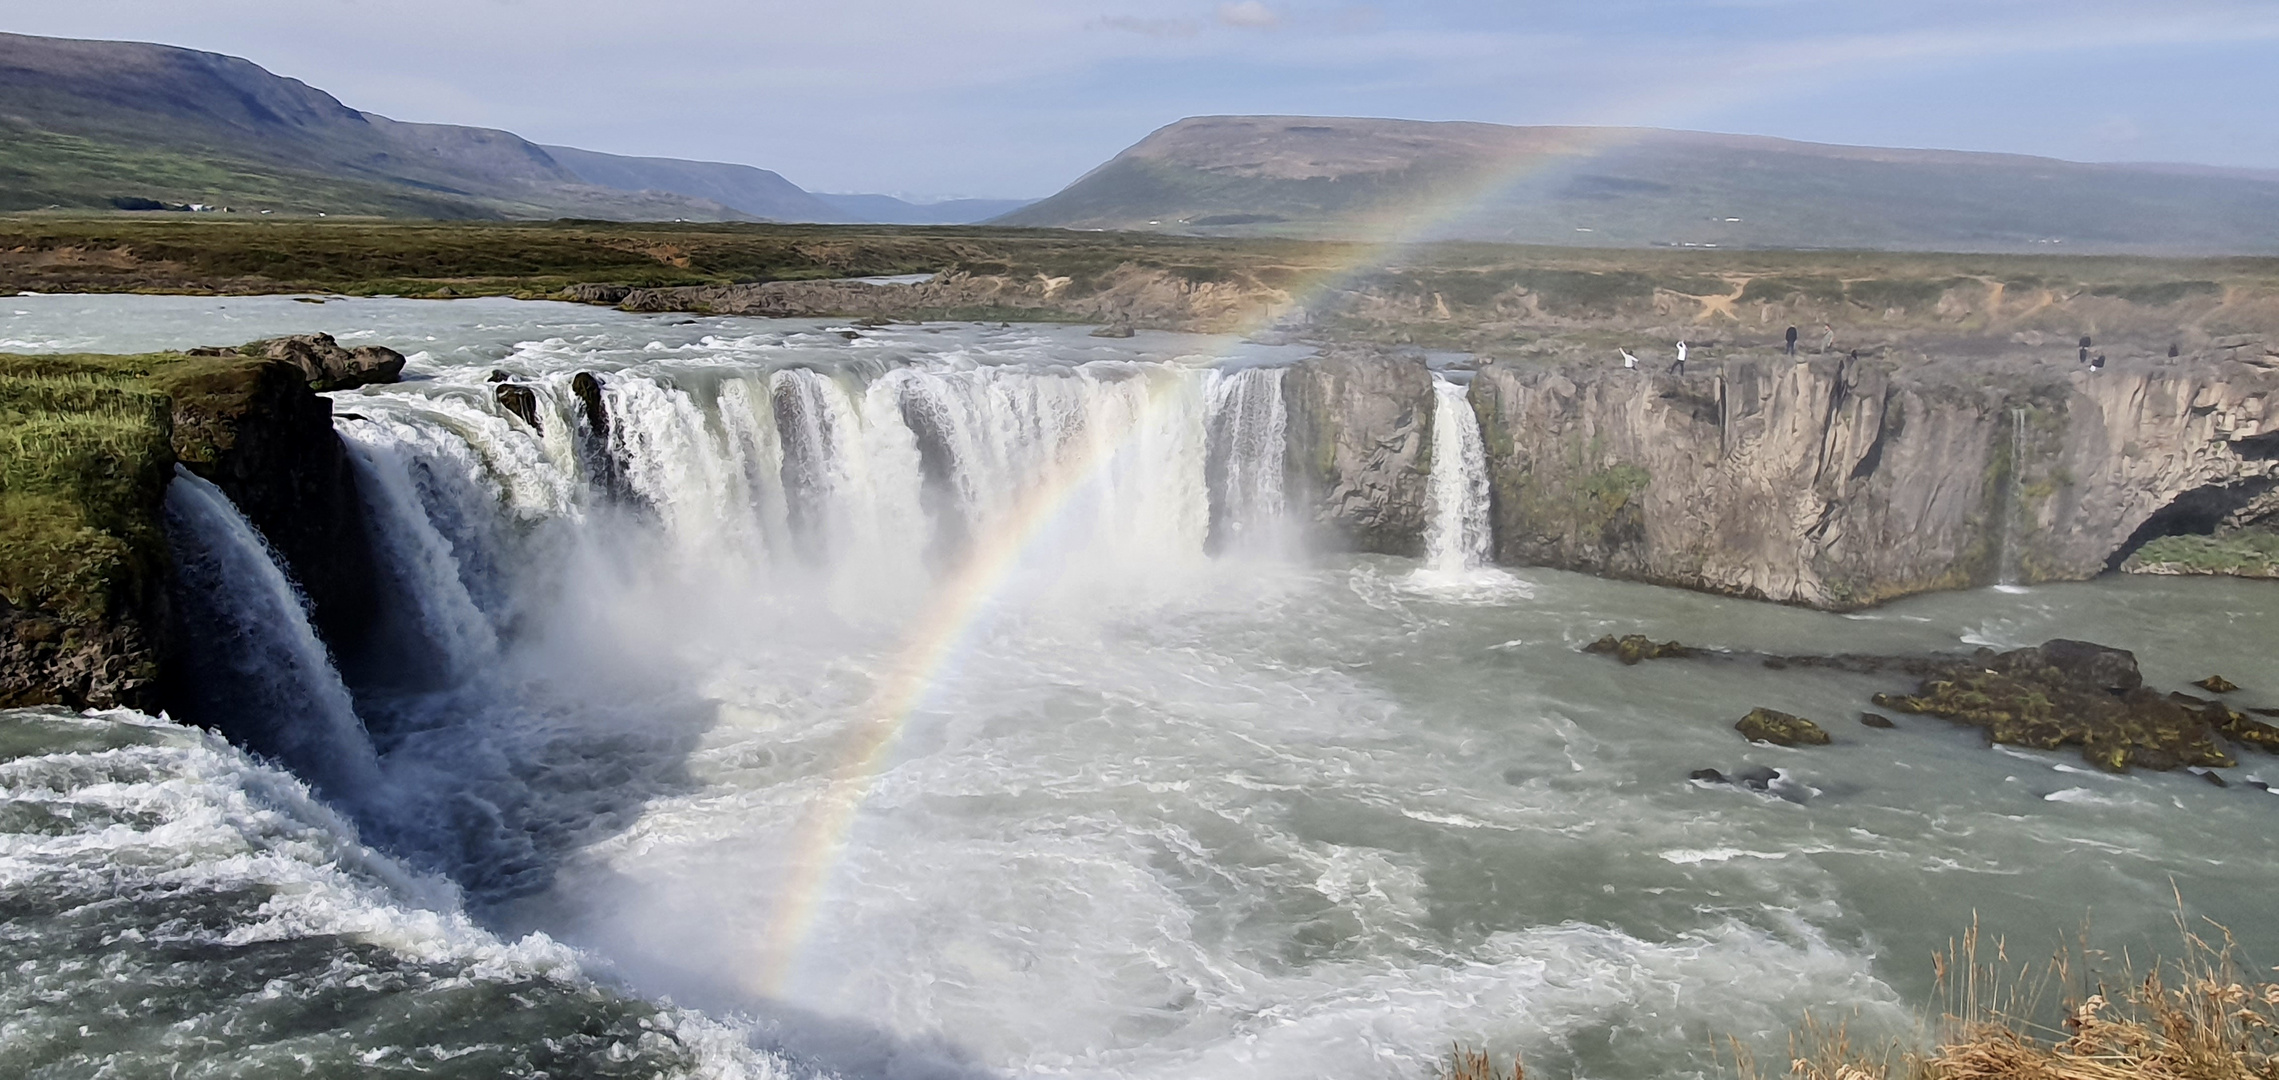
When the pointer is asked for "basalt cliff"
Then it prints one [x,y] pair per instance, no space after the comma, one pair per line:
[1842,483]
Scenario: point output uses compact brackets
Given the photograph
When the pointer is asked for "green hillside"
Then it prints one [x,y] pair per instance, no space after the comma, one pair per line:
[92,124]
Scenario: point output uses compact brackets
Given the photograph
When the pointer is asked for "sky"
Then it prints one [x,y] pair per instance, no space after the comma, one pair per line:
[1016,98]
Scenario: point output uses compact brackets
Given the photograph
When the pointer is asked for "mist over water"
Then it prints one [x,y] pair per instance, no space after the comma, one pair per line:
[1181,798]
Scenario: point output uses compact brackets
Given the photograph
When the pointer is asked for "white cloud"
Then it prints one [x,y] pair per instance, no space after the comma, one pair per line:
[1251,14]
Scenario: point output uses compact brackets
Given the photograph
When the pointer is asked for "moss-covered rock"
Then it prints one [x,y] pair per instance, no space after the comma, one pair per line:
[1781,729]
[1632,648]
[2071,693]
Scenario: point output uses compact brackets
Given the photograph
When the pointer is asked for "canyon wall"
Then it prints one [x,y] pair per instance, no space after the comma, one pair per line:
[1840,483]
[1360,450]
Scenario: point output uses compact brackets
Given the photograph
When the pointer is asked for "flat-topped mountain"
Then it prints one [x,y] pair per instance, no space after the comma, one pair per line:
[1348,177]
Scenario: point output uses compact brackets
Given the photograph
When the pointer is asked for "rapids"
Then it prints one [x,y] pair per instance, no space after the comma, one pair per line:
[956,701]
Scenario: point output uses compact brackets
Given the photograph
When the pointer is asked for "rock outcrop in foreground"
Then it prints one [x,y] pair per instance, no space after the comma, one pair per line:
[84,614]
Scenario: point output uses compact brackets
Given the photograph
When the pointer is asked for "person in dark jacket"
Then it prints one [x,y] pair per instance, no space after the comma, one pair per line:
[1792,341]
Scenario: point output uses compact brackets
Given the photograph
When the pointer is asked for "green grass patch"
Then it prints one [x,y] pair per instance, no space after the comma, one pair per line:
[84,460]
[2160,293]
[2247,553]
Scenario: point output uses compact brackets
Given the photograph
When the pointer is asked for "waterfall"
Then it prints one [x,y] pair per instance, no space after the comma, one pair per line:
[2007,574]
[1457,534]
[1249,451]
[418,561]
[253,664]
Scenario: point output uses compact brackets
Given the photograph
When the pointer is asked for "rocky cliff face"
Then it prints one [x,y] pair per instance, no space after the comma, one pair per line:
[258,432]
[1360,449]
[1841,483]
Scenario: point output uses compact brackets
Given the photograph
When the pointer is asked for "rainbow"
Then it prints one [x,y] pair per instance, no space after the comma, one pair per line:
[962,596]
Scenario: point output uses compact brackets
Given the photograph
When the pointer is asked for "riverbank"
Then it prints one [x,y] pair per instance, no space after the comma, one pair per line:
[1512,300]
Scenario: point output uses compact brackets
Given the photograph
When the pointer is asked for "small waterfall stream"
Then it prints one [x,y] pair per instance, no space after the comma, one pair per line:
[255,665]
[1457,534]
[2013,503]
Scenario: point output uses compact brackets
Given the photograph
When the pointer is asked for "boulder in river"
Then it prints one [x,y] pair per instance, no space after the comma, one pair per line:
[1781,729]
[2080,694]
[323,362]
[2217,684]
[1876,720]
[1632,648]
[588,389]
[521,401]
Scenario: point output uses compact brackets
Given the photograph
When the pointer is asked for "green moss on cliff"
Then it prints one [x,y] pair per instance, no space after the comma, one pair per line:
[86,449]
[2252,553]
[84,458]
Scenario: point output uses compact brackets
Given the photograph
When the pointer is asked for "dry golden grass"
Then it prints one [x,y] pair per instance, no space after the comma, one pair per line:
[2198,1017]
[1466,1063]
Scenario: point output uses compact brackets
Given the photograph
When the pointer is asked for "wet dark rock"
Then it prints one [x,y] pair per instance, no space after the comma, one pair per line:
[1118,331]
[2113,670]
[1876,720]
[588,389]
[2217,684]
[521,401]
[1632,648]
[498,376]
[2073,693]
[1708,776]
[47,660]
[1757,777]
[1781,729]
[2236,725]
[323,363]
[2211,776]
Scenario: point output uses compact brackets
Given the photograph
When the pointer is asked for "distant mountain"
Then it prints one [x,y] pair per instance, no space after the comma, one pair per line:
[1346,177]
[888,210]
[754,191]
[91,123]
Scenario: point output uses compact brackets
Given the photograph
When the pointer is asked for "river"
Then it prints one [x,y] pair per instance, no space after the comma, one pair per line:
[953,700]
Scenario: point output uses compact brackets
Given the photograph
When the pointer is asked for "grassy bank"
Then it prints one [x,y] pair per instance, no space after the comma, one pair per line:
[85,454]
[239,254]
[2202,1016]
[2247,553]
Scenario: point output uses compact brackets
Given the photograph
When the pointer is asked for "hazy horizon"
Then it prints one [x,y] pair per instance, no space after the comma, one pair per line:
[1017,98]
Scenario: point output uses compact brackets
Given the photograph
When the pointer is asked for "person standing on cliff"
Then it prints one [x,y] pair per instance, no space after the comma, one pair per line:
[1629,362]
[1792,341]
[1827,337]
[1679,368]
